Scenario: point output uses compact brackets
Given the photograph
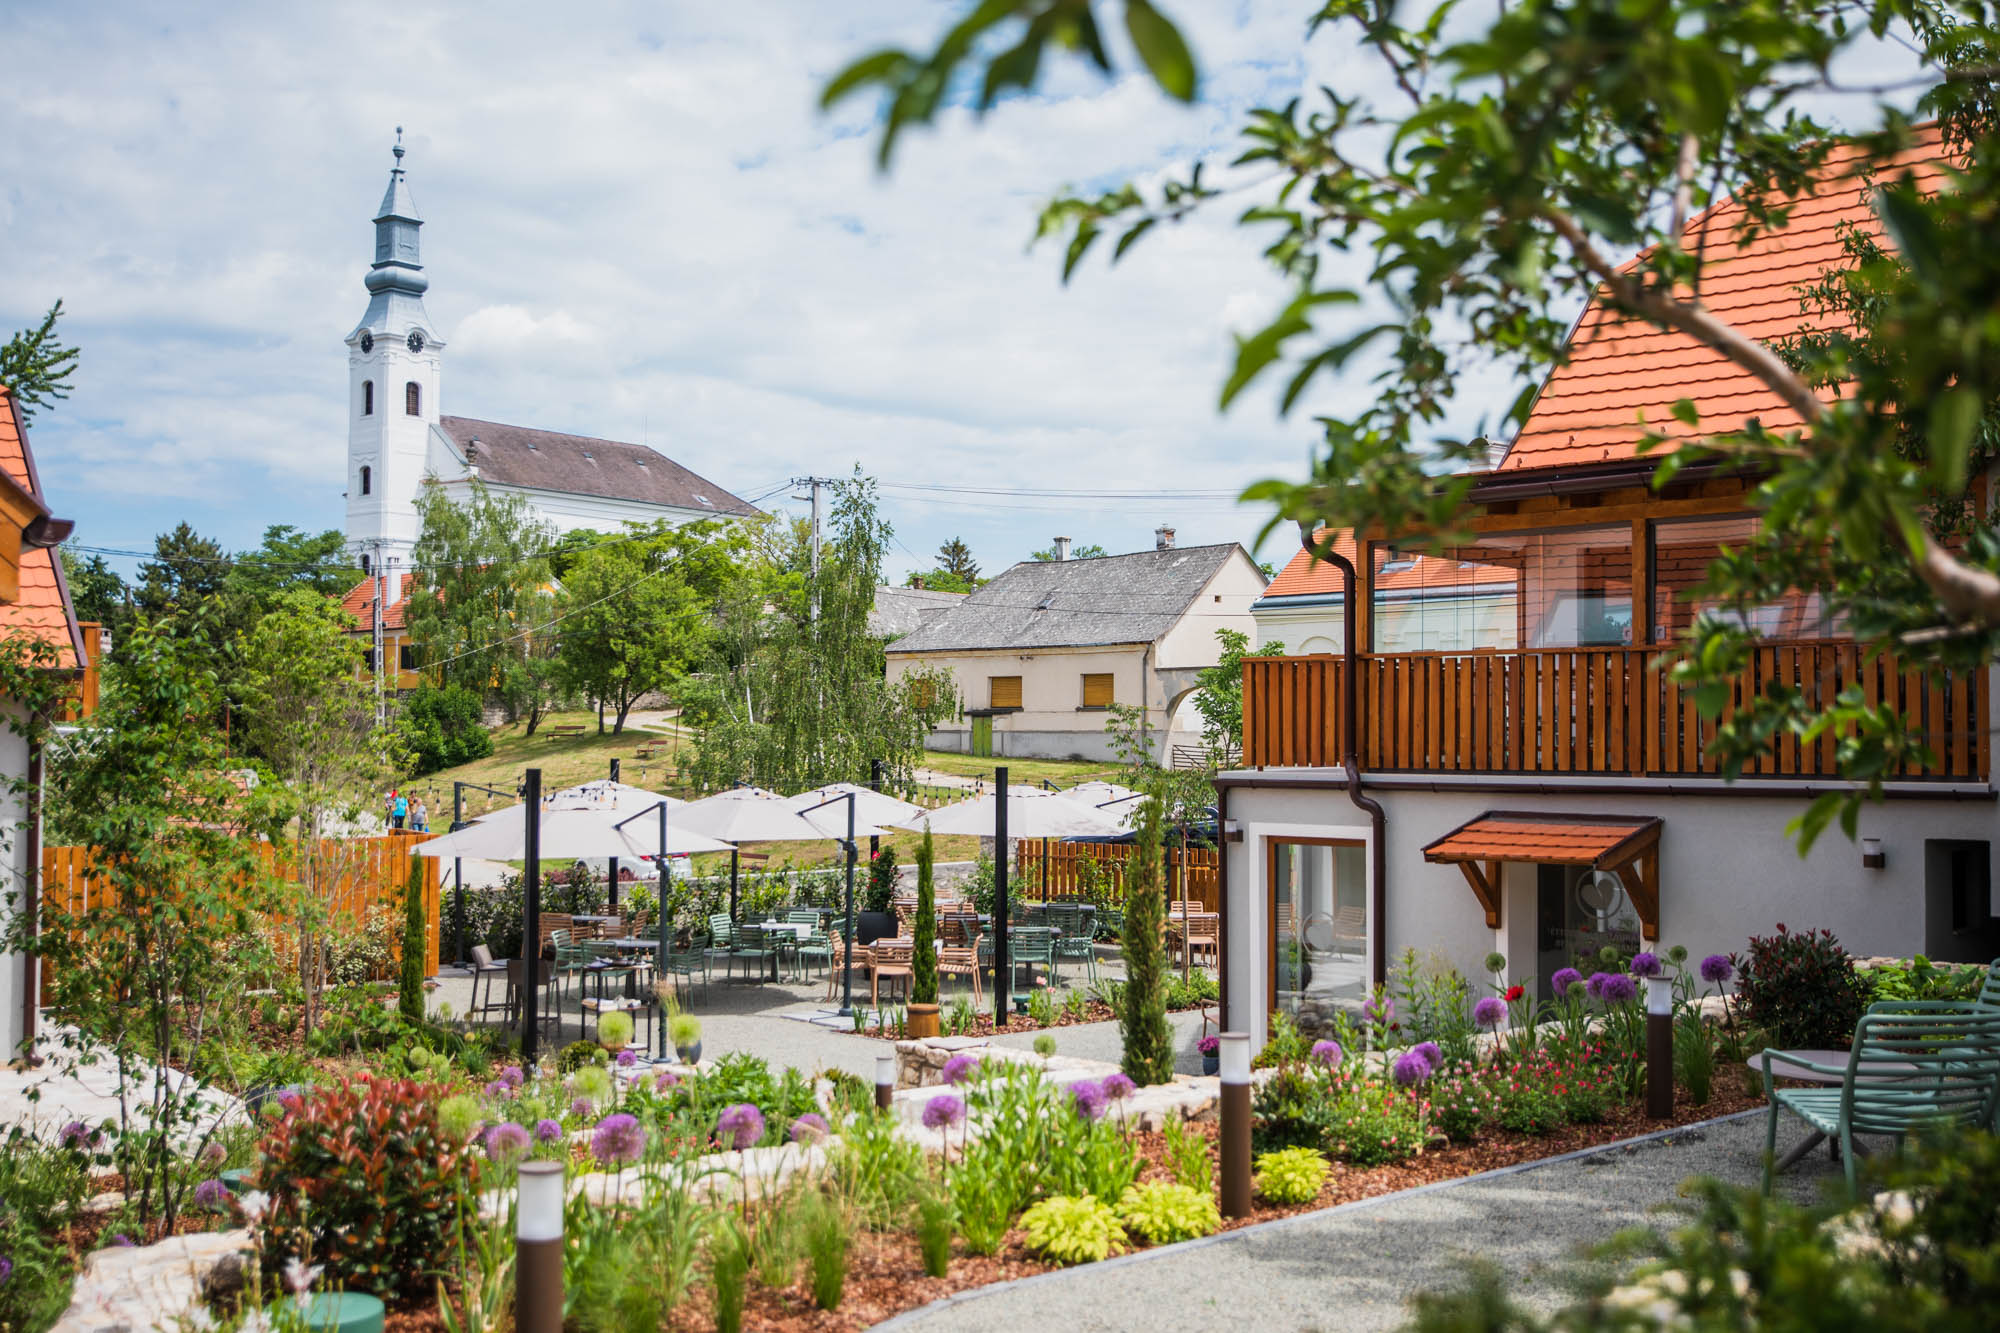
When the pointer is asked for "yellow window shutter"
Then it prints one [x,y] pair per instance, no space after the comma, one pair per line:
[1097,689]
[1005,691]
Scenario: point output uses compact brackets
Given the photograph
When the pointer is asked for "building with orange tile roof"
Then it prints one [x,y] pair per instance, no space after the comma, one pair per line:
[35,605]
[1529,781]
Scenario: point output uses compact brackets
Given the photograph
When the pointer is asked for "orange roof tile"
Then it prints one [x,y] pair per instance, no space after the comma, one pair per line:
[1588,410]
[1306,576]
[43,609]
[1567,840]
[360,604]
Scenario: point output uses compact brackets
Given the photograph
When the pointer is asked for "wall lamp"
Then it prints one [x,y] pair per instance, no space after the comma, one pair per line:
[1872,855]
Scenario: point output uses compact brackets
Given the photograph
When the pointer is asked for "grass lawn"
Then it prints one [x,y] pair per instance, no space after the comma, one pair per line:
[564,762]
[1062,772]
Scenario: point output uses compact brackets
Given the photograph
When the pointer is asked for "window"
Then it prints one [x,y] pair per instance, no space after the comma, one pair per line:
[1319,957]
[364,564]
[413,399]
[406,657]
[1003,691]
[366,472]
[1097,689]
[1959,924]
[368,659]
[1682,551]
[368,398]
[1570,588]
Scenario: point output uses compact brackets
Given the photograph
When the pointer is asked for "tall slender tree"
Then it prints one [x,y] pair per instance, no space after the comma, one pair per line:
[923,933]
[1149,1041]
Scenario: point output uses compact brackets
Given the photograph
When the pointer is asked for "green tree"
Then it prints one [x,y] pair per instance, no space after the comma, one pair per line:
[442,727]
[1142,1020]
[808,701]
[184,592]
[1218,696]
[144,787]
[289,559]
[97,591]
[955,559]
[480,593]
[1498,170]
[35,366]
[410,968]
[923,934]
[1091,551]
[940,580]
[311,717]
[638,614]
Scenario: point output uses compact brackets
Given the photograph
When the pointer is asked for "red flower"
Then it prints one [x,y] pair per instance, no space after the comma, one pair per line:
[1514,993]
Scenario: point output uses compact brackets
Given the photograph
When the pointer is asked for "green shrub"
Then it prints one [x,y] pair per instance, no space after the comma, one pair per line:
[42,1190]
[1072,1229]
[1694,1056]
[1187,1156]
[410,971]
[827,1239]
[935,1216]
[1290,1109]
[1801,989]
[1921,979]
[1461,1103]
[614,1028]
[1142,1022]
[1045,1044]
[363,1178]
[442,728]
[1041,1008]
[880,891]
[1291,1175]
[1584,1092]
[923,953]
[984,1195]
[729,1273]
[1372,1125]
[1163,1213]
[1524,1100]
[578,1054]
[877,1170]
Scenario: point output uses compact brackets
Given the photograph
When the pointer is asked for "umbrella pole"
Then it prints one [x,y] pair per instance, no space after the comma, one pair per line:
[847,950]
[531,934]
[1003,962]
[614,860]
[660,927]
[735,854]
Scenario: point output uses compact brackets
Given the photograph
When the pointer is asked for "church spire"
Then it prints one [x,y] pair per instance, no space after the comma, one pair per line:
[396,280]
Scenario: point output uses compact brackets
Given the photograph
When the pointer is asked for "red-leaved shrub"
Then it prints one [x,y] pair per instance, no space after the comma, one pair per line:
[1801,989]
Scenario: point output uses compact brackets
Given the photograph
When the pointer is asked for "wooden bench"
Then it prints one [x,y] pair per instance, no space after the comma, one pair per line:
[566,730]
[648,749]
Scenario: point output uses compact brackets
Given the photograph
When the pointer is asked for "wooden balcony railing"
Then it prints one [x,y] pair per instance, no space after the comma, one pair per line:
[1585,711]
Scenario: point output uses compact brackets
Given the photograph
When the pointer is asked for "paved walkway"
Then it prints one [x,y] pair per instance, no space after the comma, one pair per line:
[61,1089]
[1356,1268]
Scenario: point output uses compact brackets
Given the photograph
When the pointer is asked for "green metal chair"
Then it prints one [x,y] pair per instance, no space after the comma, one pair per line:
[753,945]
[721,938]
[683,965]
[1076,943]
[1912,1066]
[1026,946]
[811,944]
[607,963]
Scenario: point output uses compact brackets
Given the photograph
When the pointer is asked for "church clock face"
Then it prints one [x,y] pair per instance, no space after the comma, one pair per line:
[367,342]
[416,340]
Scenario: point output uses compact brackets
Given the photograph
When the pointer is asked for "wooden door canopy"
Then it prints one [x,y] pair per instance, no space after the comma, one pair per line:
[1626,845]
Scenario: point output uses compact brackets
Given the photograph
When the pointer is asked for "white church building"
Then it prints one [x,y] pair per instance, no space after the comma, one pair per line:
[398,438]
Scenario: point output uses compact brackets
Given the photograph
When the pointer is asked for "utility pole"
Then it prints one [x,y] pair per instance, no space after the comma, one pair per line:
[818,485]
[381,583]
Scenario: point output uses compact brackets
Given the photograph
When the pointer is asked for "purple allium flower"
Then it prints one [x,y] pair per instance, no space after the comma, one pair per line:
[627,1058]
[211,1193]
[1564,978]
[581,1107]
[548,1131]
[1379,1010]
[122,1241]
[741,1125]
[6,1268]
[78,1136]
[1490,1011]
[1327,1053]
[1594,988]
[1088,1099]
[943,1111]
[1647,965]
[508,1142]
[1716,968]
[811,1128]
[1209,1045]
[619,1138]
[960,1068]
[496,1089]
[1618,988]
[1410,1069]
[665,1079]
[512,1076]
[1432,1056]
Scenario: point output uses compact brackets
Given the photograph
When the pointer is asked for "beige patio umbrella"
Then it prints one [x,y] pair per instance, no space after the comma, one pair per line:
[1030,814]
[755,814]
[870,806]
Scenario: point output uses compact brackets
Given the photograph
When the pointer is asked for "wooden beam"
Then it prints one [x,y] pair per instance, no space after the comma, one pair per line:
[1641,875]
[1484,890]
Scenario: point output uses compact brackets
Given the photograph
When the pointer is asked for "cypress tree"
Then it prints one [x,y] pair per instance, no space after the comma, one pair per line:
[410,981]
[923,956]
[1149,1042]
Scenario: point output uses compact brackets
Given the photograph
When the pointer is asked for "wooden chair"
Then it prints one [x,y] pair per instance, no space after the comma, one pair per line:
[960,955]
[906,915]
[484,966]
[836,957]
[1202,938]
[1912,1066]
[892,959]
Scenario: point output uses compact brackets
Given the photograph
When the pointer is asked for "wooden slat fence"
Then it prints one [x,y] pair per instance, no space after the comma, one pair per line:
[367,872]
[1052,871]
[1589,711]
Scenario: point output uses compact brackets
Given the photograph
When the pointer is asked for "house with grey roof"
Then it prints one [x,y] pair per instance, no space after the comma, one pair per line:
[1039,655]
[903,611]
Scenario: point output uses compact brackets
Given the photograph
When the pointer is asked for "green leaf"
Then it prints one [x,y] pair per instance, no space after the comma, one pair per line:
[1161,47]
[1915,234]
[1954,417]
[1686,412]
[881,67]
[1138,229]
[1085,233]
[1608,217]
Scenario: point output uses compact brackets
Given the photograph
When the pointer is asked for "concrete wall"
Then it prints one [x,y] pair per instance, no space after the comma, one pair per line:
[14,870]
[1223,603]
[1728,870]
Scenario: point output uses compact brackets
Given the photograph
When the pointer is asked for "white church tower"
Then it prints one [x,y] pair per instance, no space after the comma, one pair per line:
[392,372]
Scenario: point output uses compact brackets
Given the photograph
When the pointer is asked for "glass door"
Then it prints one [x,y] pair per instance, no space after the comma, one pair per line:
[1319,929]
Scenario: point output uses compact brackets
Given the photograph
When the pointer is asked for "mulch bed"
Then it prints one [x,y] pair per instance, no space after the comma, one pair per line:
[982,1024]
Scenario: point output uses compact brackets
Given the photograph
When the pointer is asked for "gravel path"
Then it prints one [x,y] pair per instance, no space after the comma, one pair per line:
[1356,1267]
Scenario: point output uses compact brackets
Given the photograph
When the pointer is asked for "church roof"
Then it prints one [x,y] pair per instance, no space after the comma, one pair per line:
[546,460]
[42,610]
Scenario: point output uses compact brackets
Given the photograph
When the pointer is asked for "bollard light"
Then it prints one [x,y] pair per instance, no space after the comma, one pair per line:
[1660,1048]
[885,1080]
[1233,1049]
[538,1248]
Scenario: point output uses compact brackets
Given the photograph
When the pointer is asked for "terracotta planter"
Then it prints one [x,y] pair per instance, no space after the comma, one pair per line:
[921,1021]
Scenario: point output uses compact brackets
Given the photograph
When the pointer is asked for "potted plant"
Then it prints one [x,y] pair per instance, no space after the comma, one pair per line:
[614,1030]
[684,1030]
[1210,1047]
[877,918]
[923,1015]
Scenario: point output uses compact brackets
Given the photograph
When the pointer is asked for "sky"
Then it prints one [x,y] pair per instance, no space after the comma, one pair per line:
[639,226]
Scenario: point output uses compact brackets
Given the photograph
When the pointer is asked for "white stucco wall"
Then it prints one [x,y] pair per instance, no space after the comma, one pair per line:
[1052,722]
[1223,603]
[1727,871]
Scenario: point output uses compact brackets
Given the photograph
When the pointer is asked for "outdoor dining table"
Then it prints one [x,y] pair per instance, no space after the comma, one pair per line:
[1782,1067]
